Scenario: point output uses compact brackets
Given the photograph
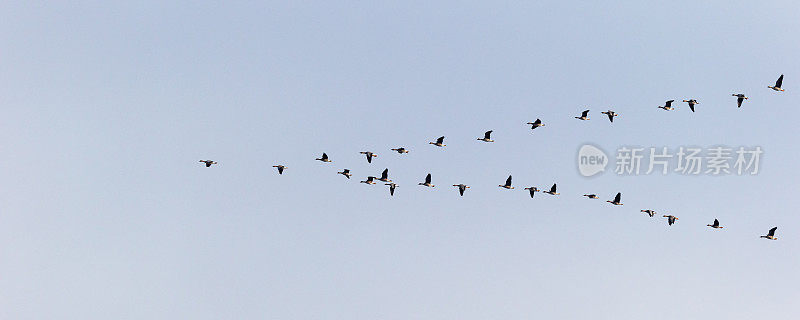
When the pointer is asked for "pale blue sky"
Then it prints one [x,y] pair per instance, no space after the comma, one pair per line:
[105,212]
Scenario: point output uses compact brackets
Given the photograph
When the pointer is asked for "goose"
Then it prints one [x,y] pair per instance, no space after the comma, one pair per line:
[369,180]
[208,162]
[591,196]
[487,137]
[671,219]
[691,103]
[280,168]
[778,84]
[507,185]
[461,188]
[616,200]
[536,124]
[668,105]
[401,150]
[346,173]
[439,142]
[324,158]
[715,225]
[369,155]
[771,234]
[584,115]
[385,176]
[392,186]
[651,213]
[552,190]
[610,114]
[739,99]
[532,190]
[427,182]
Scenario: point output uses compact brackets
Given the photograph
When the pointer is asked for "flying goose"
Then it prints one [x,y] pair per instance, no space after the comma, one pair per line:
[346,173]
[552,190]
[280,168]
[400,150]
[532,190]
[691,102]
[584,115]
[715,225]
[536,124]
[324,158]
[385,176]
[487,137]
[778,84]
[369,180]
[461,188]
[427,182]
[369,155]
[392,186]
[739,99]
[610,114]
[771,234]
[591,196]
[671,219]
[507,185]
[651,213]
[668,105]
[617,200]
[208,162]
[439,142]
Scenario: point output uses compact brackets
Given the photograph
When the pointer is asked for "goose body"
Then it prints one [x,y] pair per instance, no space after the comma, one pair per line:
[346,173]
[507,185]
[584,115]
[668,105]
[369,155]
[532,190]
[771,234]
[208,162]
[324,158]
[778,84]
[536,124]
[385,176]
[617,200]
[649,212]
[439,142]
[369,180]
[427,182]
[552,190]
[670,219]
[392,186]
[487,137]
[591,196]
[400,150]
[715,225]
[280,168]
[461,188]
[611,114]
[740,97]
[692,103]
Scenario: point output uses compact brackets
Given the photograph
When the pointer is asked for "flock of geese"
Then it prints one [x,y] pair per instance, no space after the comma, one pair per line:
[487,137]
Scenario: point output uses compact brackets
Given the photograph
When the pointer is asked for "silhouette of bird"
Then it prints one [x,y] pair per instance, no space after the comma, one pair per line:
[692,103]
[739,99]
[324,158]
[536,124]
[280,168]
[651,213]
[778,84]
[591,196]
[507,185]
[369,155]
[385,176]
[392,186]
[346,173]
[671,219]
[584,115]
[369,180]
[401,150]
[439,142]
[208,162]
[771,234]
[552,190]
[610,114]
[487,137]
[668,105]
[427,182]
[461,188]
[616,200]
[715,225]
[532,190]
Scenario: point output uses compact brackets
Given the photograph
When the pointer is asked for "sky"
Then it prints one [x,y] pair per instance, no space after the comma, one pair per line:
[105,212]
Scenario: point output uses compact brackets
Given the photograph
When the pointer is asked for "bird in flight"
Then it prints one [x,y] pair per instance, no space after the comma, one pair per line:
[392,186]
[461,188]
[427,182]
[507,185]
[611,114]
[324,158]
[617,200]
[532,190]
[369,155]
[208,162]
[536,124]
[591,196]
[584,115]
[552,190]
[385,176]
[280,168]
[771,234]
[401,150]
[778,84]
[671,219]
[715,225]
[668,105]
[691,103]
[487,137]
[739,99]
[369,180]
[651,213]
[439,142]
[346,173]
